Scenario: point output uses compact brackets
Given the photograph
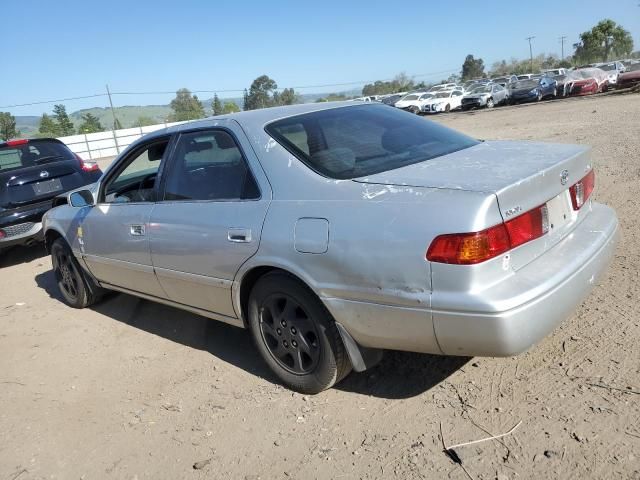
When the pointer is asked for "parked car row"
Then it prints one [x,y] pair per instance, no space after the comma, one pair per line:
[513,89]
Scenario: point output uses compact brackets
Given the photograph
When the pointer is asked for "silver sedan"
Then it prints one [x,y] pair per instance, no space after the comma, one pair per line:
[334,231]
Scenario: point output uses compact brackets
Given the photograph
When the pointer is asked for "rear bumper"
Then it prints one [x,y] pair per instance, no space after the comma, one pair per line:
[23,225]
[503,320]
[540,295]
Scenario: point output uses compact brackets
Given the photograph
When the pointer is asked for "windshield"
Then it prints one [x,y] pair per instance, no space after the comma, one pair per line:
[410,97]
[500,80]
[481,89]
[553,72]
[526,84]
[443,95]
[35,152]
[523,77]
[351,142]
[608,67]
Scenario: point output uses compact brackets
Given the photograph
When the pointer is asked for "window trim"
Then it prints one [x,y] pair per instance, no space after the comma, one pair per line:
[171,160]
[124,162]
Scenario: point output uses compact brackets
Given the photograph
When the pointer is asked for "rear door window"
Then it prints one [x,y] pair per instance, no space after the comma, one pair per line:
[351,142]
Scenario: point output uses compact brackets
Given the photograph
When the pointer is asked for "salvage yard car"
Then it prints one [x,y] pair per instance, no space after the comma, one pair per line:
[32,172]
[335,230]
[443,102]
[533,89]
[488,95]
[414,102]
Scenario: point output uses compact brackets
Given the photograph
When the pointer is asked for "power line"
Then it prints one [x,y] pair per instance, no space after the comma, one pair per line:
[562,39]
[239,90]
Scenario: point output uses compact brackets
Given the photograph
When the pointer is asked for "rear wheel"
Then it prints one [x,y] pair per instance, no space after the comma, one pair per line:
[539,97]
[415,109]
[296,335]
[72,282]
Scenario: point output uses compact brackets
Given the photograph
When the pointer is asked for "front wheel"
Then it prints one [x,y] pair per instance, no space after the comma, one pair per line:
[296,335]
[490,103]
[72,282]
[415,110]
[447,109]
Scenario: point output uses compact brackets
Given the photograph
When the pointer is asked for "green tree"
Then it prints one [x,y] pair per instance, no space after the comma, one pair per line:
[288,96]
[245,100]
[185,107]
[230,107]
[47,127]
[472,68]
[400,83]
[604,41]
[90,124]
[144,121]
[65,125]
[216,105]
[8,126]
[261,93]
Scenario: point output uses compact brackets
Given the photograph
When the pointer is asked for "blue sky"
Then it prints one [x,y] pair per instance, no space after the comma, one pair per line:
[69,48]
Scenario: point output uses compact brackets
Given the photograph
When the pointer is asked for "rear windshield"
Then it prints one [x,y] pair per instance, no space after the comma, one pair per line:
[35,152]
[526,84]
[351,142]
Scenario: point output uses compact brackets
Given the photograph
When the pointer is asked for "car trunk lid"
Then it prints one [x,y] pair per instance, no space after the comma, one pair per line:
[522,175]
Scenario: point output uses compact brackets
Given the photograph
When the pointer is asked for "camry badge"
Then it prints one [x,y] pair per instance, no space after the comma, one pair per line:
[44,174]
[564,176]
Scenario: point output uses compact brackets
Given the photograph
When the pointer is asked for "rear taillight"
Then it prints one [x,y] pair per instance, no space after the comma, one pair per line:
[2,234]
[581,191]
[477,247]
[15,143]
[87,166]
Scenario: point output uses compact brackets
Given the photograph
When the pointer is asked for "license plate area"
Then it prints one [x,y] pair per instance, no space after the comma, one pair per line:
[48,186]
[560,212]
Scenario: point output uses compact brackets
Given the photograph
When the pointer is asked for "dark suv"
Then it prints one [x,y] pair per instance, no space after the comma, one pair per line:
[32,172]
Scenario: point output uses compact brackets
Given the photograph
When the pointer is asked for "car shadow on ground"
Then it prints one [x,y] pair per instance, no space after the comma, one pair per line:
[21,254]
[398,375]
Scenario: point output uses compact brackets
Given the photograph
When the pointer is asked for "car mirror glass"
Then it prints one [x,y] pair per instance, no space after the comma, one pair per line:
[81,198]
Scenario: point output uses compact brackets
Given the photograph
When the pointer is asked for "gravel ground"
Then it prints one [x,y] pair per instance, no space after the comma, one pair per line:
[130,389]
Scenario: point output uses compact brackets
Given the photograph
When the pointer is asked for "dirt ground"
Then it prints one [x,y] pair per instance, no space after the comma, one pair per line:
[132,390]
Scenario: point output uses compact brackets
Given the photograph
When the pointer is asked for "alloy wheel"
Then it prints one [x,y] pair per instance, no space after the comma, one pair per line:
[290,334]
[66,274]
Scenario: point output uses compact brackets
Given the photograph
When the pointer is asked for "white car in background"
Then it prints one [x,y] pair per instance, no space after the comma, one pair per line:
[613,71]
[444,102]
[414,102]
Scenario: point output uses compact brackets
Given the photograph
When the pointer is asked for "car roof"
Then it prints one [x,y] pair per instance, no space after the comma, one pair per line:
[259,117]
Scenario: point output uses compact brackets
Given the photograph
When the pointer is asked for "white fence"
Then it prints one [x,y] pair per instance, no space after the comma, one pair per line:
[92,146]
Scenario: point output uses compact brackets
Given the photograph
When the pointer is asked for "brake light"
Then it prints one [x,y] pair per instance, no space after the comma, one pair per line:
[2,234]
[86,166]
[581,191]
[477,247]
[15,143]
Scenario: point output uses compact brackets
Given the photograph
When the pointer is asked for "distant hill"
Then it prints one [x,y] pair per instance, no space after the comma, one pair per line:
[127,115]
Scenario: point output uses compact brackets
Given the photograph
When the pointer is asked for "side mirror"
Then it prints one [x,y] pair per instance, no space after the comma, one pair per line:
[81,198]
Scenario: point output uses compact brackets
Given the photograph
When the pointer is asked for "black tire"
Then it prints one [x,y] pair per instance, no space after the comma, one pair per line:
[447,109]
[490,103]
[539,97]
[415,110]
[75,287]
[296,335]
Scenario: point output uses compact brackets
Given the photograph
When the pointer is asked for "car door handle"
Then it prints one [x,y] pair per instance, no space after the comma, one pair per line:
[239,235]
[136,230]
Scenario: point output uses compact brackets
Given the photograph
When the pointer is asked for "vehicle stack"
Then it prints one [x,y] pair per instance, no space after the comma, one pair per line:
[513,89]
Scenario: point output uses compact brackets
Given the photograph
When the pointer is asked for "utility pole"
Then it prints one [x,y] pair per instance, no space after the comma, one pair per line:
[562,39]
[113,112]
[530,52]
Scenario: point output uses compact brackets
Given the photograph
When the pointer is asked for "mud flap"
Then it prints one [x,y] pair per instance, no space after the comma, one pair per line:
[362,358]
